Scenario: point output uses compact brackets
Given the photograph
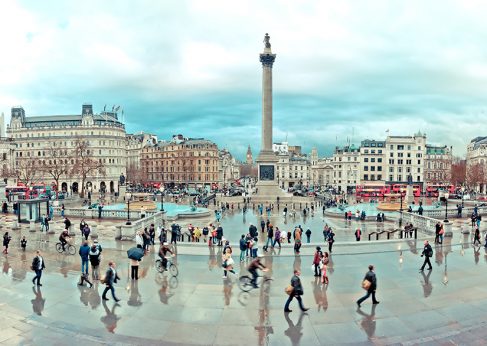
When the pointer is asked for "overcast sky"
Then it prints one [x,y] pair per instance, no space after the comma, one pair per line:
[344,69]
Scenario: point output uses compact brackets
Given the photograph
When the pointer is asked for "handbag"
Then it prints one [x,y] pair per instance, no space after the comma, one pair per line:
[366,284]
[289,290]
[102,279]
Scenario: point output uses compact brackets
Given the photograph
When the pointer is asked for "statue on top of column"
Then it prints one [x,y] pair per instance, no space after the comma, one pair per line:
[267,40]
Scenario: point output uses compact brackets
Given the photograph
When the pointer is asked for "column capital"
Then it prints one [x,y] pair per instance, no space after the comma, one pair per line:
[267,59]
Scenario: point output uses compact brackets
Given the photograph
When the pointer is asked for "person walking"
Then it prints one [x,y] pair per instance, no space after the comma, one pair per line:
[295,292]
[270,236]
[308,235]
[84,253]
[134,272]
[331,240]
[6,241]
[277,237]
[38,265]
[371,286]
[94,256]
[358,234]
[476,236]
[297,240]
[111,278]
[46,222]
[317,260]
[427,254]
[243,247]
[23,243]
[325,261]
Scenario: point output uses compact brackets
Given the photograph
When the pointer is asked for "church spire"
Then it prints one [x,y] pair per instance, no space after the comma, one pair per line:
[249,156]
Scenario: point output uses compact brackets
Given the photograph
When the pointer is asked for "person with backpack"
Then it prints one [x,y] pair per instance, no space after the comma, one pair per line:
[427,254]
[94,256]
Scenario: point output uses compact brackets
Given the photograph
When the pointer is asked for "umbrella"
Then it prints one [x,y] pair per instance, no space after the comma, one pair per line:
[135,253]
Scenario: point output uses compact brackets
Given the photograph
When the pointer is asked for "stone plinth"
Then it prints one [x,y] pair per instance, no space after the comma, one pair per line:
[409,194]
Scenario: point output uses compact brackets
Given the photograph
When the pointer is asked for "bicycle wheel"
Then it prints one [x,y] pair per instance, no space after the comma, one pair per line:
[159,266]
[59,247]
[173,282]
[245,283]
[173,270]
[71,250]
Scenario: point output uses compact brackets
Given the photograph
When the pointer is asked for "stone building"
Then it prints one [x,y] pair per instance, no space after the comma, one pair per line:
[7,159]
[346,165]
[181,162]
[52,141]
[372,162]
[405,155]
[321,170]
[437,165]
[292,169]
[135,143]
[477,164]
[228,168]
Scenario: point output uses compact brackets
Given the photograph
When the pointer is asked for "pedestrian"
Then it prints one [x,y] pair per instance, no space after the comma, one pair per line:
[100,209]
[84,253]
[51,212]
[358,234]
[437,232]
[441,233]
[331,239]
[243,247]
[254,248]
[370,284]
[297,240]
[152,234]
[277,237]
[38,265]
[62,210]
[476,236]
[23,243]
[289,234]
[134,272]
[227,260]
[427,254]
[46,222]
[270,236]
[111,278]
[82,225]
[6,241]
[262,225]
[94,256]
[295,291]
[86,232]
[308,235]
[317,260]
[325,261]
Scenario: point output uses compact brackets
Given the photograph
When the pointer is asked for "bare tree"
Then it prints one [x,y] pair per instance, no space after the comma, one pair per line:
[85,165]
[57,165]
[475,175]
[458,172]
[26,170]
[136,175]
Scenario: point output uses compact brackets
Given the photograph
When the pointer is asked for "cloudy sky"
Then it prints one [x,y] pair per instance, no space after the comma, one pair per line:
[344,69]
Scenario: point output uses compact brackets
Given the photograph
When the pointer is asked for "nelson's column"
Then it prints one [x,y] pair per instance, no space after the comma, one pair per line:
[267,184]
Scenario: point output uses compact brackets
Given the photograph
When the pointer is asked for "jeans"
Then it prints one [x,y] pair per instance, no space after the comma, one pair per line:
[254,252]
[95,272]
[278,241]
[84,266]
[269,240]
[242,255]
[426,261]
[112,289]
[317,269]
[37,277]
[298,298]
[367,295]
[134,275]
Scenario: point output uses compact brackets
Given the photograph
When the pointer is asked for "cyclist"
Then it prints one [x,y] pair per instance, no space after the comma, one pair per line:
[252,268]
[63,238]
[163,250]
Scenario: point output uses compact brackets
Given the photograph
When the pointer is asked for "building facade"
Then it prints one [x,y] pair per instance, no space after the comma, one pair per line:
[346,166]
[405,155]
[7,159]
[52,141]
[228,169]
[477,164]
[135,143]
[321,170]
[437,165]
[182,162]
[372,162]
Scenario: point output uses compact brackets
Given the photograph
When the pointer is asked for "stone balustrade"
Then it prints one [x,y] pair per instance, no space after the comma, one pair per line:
[127,232]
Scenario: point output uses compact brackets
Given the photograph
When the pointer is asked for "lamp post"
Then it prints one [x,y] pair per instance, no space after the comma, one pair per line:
[446,207]
[400,210]
[162,197]
[128,197]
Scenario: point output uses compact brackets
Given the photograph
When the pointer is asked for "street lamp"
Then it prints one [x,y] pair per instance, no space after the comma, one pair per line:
[162,197]
[128,197]
[446,207]
[400,210]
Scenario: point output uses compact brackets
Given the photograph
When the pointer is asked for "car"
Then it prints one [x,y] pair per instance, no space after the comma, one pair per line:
[235,193]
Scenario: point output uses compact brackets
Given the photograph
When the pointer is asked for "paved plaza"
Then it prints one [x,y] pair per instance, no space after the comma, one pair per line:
[446,306]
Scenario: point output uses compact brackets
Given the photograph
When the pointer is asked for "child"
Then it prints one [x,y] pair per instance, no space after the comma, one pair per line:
[23,243]
[325,260]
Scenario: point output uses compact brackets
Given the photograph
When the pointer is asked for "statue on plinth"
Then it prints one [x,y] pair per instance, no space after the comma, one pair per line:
[267,40]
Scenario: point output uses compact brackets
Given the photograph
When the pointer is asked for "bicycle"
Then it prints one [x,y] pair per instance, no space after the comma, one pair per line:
[171,267]
[70,249]
[245,282]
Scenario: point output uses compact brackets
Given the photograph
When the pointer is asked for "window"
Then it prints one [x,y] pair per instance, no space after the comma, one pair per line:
[391,154]
[366,168]
[419,170]
[390,178]
[400,147]
[379,168]
[366,151]
[409,147]
[366,159]
[391,161]
[379,177]
[372,168]
[392,148]
[372,177]
[379,159]
[408,162]
[366,177]
[399,169]
[419,162]
[379,151]
[399,162]
[400,154]
[419,148]
[372,159]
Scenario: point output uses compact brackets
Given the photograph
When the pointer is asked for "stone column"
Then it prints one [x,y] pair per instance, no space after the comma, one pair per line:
[267,59]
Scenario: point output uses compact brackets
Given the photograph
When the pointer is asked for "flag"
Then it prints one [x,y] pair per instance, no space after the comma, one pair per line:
[104,108]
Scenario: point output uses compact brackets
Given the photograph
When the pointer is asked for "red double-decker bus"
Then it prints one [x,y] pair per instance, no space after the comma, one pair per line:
[401,188]
[433,190]
[366,191]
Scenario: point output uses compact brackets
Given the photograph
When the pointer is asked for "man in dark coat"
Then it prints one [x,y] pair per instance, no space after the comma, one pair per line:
[427,253]
[370,277]
[297,292]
